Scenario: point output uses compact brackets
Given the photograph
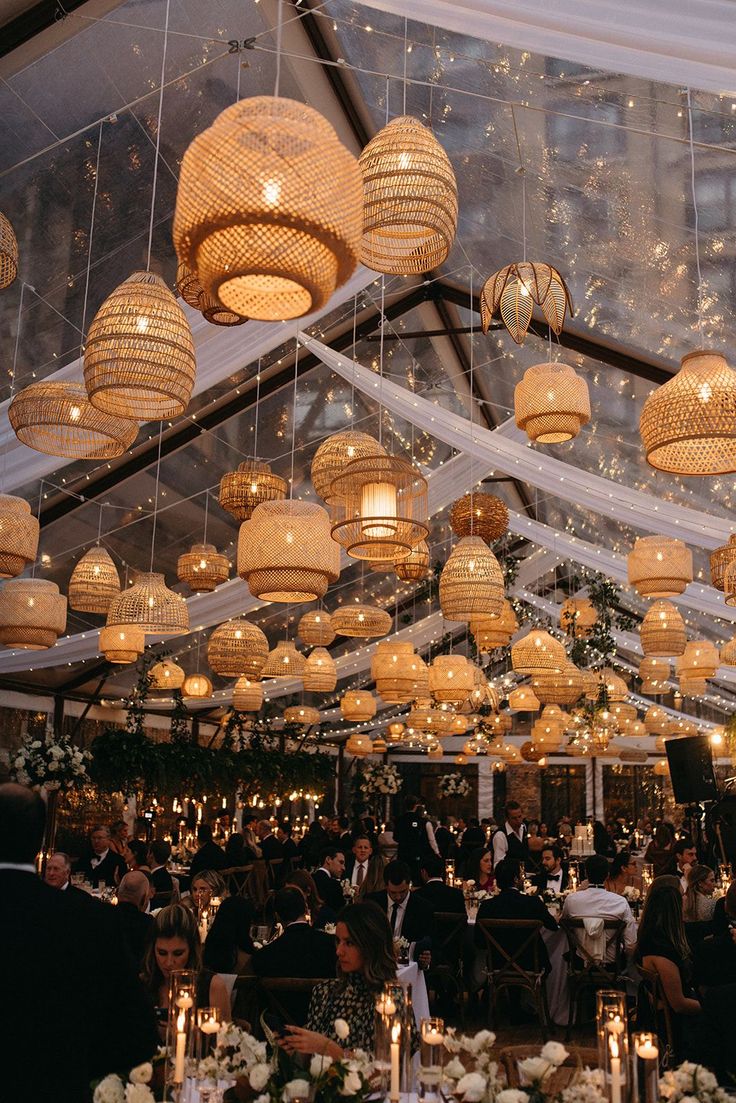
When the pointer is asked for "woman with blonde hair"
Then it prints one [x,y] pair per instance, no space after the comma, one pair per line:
[204,886]
[699,902]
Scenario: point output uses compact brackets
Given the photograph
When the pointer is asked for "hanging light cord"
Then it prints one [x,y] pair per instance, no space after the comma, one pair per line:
[15,364]
[155,500]
[206,514]
[695,215]
[91,236]
[158,135]
[293,417]
[380,357]
[472,399]
[258,402]
[277,84]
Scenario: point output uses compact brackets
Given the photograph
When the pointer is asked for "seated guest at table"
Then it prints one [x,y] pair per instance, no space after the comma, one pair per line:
[535,841]
[312,844]
[271,848]
[228,947]
[511,903]
[250,838]
[473,838]
[409,915]
[621,872]
[58,871]
[175,944]
[327,878]
[138,855]
[301,951]
[659,850]
[120,840]
[554,875]
[204,886]
[135,923]
[283,834]
[565,835]
[602,841]
[699,903]
[596,902]
[724,911]
[159,852]
[683,856]
[439,896]
[365,962]
[209,855]
[715,958]
[318,912]
[103,864]
[479,868]
[236,852]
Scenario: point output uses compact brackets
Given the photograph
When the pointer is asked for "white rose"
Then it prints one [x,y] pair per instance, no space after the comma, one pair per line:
[534,1068]
[262,1099]
[19,762]
[110,1090]
[141,1074]
[705,1080]
[53,766]
[512,1095]
[35,744]
[689,1099]
[259,1076]
[472,1087]
[486,1037]
[455,1069]
[555,1052]
[296,1089]
[138,1093]
[351,1084]
[319,1064]
[341,1029]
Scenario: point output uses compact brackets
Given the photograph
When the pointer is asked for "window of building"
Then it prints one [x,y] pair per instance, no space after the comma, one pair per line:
[563,794]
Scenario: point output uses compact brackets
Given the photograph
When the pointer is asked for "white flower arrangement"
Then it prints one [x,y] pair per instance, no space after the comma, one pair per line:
[631,893]
[50,762]
[112,1088]
[380,778]
[692,1082]
[236,1054]
[453,785]
[348,890]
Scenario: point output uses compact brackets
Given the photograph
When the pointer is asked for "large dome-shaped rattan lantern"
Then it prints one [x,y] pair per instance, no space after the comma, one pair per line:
[479,514]
[415,567]
[32,613]
[247,695]
[515,288]
[94,582]
[688,425]
[537,651]
[151,606]
[303,715]
[166,675]
[559,687]
[251,483]
[662,631]
[727,653]
[360,621]
[335,453]
[237,647]
[692,687]
[284,661]
[124,645]
[56,417]
[471,583]
[286,552]
[451,679]
[379,508]
[523,699]
[700,659]
[358,706]
[410,213]
[197,687]
[320,672]
[18,535]
[269,209]
[194,295]
[8,253]
[315,628]
[656,721]
[139,357]
[578,617]
[551,403]
[720,559]
[660,566]
[203,568]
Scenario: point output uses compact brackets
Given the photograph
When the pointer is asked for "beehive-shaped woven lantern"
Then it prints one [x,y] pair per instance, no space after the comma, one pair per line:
[394,668]
[551,403]
[194,294]
[166,675]
[8,253]
[286,552]
[656,721]
[547,737]
[151,606]
[720,559]
[471,583]
[592,685]
[251,483]
[700,659]
[203,568]
[683,726]
[478,514]
[415,567]
[423,716]
[335,453]
[94,582]
[18,535]
[197,687]
[57,417]
[237,648]
[688,425]
[379,508]
[284,661]
[359,745]
[32,613]
[315,628]
[124,645]
[537,651]
[303,715]
[622,713]
[654,674]
[410,213]
[395,732]
[139,356]
[578,617]
[247,695]
[320,672]
[360,621]
[269,209]
[523,699]
[660,566]
[358,706]
[662,631]
[515,288]
[559,687]
[450,679]
[616,688]
[728,652]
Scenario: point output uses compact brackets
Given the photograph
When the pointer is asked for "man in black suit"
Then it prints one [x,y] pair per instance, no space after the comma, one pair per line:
[63,959]
[159,853]
[283,834]
[103,864]
[445,841]
[300,951]
[358,862]
[327,878]
[271,848]
[414,836]
[58,871]
[134,921]
[511,903]
[553,876]
[209,856]
[409,916]
[439,896]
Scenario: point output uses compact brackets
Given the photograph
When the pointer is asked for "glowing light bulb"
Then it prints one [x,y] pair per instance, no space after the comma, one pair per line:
[705,392]
[142,324]
[272,192]
[75,413]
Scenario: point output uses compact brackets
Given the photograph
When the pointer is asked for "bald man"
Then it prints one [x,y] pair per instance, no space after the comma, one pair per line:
[135,923]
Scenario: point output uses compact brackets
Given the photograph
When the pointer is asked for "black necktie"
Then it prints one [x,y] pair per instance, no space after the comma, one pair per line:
[394,914]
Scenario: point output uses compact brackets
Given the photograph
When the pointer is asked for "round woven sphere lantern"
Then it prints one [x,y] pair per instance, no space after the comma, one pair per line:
[728,652]
[251,483]
[194,295]
[8,253]
[361,621]
[335,453]
[410,212]
[471,582]
[247,695]
[286,552]
[32,613]
[315,628]
[18,535]
[478,514]
[514,289]
[537,651]
[166,675]
[415,567]
[656,721]
[688,425]
[720,559]
[284,661]
[320,672]
[662,631]
[700,659]
[197,686]
[578,617]
[357,705]
[395,668]
[57,418]
[139,357]
[94,582]
[303,715]
[237,648]
[450,679]
[660,566]
[523,699]
[203,568]
[151,606]
[269,209]
[551,403]
[379,508]
[124,645]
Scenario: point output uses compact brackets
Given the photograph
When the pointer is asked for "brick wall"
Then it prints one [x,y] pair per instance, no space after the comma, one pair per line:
[523,783]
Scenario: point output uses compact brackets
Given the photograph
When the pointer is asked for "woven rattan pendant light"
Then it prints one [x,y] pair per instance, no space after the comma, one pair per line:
[471,583]
[57,417]
[286,552]
[32,613]
[720,559]
[616,688]
[727,653]
[394,669]
[654,674]
[410,213]
[656,720]
[523,699]
[450,679]
[660,566]
[592,685]
[415,567]
[578,617]
[423,716]
[247,695]
[194,294]
[379,508]
[8,253]
[237,648]
[150,606]
[688,425]
[561,688]
[395,732]
[478,514]
[284,661]
[551,403]
[250,484]
[335,453]
[492,632]
[514,289]
[359,745]
[700,659]
[304,715]
[139,357]
[320,672]
[537,651]
[662,631]
[124,645]
[358,706]
[18,535]
[166,675]
[729,584]
[94,582]
[197,687]
[315,628]
[360,621]
[203,568]
[693,687]
[269,209]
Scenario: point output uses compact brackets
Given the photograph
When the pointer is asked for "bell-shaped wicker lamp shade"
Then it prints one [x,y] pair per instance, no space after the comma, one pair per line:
[320,672]
[335,453]
[269,209]
[379,508]
[720,559]
[514,289]
[560,688]
[537,651]
[8,253]
[57,417]
[700,659]
[358,706]
[250,484]
[194,295]
[415,567]
[728,653]
[32,613]
[616,688]
[410,215]
[304,715]
[492,632]
[688,425]
[139,356]
[237,648]
[578,617]
[286,552]
[478,514]
[247,695]
[197,687]
[471,583]
[150,606]
[662,631]
[656,720]
[94,582]
[166,675]
[284,661]
[360,621]
[551,403]
[315,628]
[124,645]
[451,679]
[18,535]
[660,566]
[523,699]
[203,568]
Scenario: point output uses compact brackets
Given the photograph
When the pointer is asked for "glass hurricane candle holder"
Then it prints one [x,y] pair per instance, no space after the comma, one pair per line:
[388,1038]
[645,1067]
[181,1026]
[613,1043]
[431,1053]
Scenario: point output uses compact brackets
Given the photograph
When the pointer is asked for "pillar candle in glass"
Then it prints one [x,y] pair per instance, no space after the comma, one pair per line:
[645,1066]
[181,1025]
[613,1043]
[389,1011]
[431,1059]
[207,1027]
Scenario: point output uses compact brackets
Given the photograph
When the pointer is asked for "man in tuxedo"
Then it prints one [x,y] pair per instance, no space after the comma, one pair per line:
[63,959]
[159,853]
[684,856]
[409,916]
[356,865]
[103,864]
[439,896]
[414,836]
[511,903]
[283,834]
[209,856]
[134,921]
[553,876]
[327,878]
[58,871]
[271,848]
[300,951]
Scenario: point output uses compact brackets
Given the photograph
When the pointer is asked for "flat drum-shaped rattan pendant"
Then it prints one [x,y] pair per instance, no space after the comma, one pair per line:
[203,568]
[18,535]
[478,514]
[662,631]
[304,715]
[315,628]
[139,357]
[660,566]
[379,508]
[57,418]
[515,288]
[335,453]
[247,695]
[194,295]
[8,253]
[551,403]
[32,613]
[237,647]
[320,672]
[94,582]
[124,645]
[150,606]
[286,552]
[269,209]
[358,706]
[361,621]
[471,583]
[250,484]
[166,675]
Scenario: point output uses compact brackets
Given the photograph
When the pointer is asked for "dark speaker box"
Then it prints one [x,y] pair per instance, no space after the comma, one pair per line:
[691,769]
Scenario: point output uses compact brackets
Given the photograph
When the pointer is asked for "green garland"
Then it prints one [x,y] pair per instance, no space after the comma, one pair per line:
[599,648]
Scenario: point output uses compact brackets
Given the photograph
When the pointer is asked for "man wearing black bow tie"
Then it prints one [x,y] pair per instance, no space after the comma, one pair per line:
[554,876]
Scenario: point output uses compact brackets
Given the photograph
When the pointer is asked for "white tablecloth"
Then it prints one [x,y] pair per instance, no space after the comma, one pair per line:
[412,975]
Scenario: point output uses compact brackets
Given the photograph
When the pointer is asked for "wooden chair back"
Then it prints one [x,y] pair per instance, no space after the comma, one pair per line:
[236,879]
[661,1013]
[581,963]
[449,941]
[287,997]
[514,949]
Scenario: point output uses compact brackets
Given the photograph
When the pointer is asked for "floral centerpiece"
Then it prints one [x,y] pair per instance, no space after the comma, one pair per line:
[52,763]
[113,1089]
[380,779]
[453,785]
[691,1082]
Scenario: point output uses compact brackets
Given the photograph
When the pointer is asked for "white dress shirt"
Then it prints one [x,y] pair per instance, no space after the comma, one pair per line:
[354,875]
[97,858]
[501,843]
[598,903]
[554,882]
[400,913]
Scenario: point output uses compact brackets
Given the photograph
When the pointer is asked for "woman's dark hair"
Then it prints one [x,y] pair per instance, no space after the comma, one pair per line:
[663,836]
[139,850]
[472,865]
[601,838]
[235,850]
[369,929]
[303,880]
[230,932]
[661,920]
[619,863]
[175,921]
